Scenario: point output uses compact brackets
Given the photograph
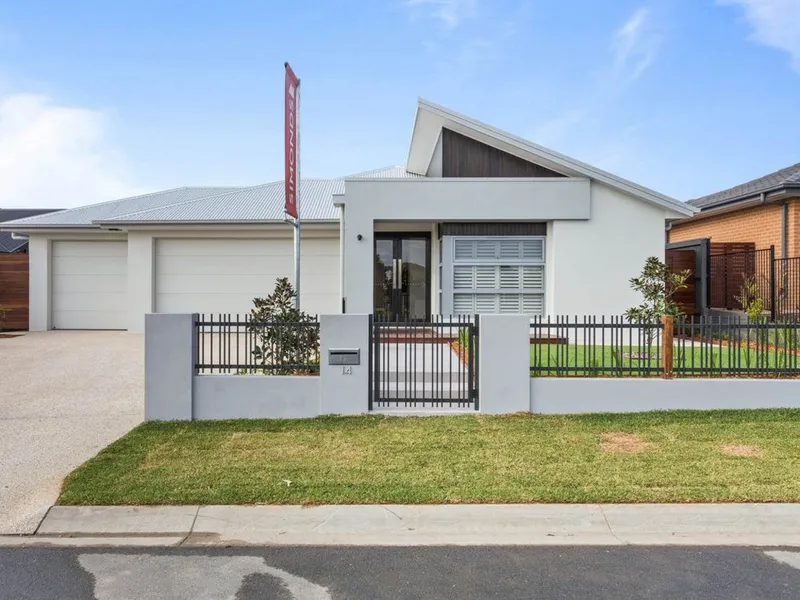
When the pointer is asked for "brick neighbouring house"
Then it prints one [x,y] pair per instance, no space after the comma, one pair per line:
[764,212]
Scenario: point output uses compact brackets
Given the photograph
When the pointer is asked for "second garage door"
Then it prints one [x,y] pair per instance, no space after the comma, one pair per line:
[224,275]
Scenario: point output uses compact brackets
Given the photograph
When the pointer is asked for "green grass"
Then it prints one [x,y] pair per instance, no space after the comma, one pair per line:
[608,361]
[458,459]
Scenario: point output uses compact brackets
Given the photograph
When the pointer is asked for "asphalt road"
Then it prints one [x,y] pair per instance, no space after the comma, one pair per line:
[543,573]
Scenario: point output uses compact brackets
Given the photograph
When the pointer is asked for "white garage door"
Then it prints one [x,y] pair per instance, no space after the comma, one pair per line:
[224,275]
[89,285]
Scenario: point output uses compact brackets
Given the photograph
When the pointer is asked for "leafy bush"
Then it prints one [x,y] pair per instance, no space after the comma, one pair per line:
[3,313]
[286,343]
[750,300]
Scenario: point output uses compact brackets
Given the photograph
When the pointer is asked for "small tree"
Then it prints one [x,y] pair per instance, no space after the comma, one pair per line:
[753,306]
[2,317]
[282,338]
[658,285]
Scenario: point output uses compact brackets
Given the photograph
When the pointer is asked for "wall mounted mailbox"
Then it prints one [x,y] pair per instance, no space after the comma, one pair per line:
[344,356]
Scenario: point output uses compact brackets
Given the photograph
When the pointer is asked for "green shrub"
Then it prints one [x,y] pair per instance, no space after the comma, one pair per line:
[288,345]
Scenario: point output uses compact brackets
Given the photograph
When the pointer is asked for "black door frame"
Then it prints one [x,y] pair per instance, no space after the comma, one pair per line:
[397,238]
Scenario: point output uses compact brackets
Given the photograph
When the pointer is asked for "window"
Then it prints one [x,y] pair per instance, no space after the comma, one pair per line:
[502,275]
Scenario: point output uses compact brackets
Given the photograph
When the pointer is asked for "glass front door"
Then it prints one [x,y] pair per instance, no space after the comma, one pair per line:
[402,277]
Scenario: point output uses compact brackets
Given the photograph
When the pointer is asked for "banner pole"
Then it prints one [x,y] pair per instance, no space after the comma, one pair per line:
[297,201]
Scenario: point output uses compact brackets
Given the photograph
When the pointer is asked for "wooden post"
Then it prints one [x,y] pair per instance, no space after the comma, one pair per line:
[667,341]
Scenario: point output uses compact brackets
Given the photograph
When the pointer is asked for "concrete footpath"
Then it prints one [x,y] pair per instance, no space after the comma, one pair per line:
[435,525]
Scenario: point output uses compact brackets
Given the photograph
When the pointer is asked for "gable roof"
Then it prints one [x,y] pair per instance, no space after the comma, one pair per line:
[8,243]
[85,216]
[431,118]
[787,177]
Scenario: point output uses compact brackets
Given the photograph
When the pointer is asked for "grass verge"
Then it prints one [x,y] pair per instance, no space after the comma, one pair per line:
[719,456]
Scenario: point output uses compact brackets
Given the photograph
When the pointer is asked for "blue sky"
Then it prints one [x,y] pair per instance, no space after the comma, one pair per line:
[102,99]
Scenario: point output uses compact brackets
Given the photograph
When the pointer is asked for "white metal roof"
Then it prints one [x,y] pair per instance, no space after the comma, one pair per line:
[260,203]
[254,204]
[84,216]
[386,173]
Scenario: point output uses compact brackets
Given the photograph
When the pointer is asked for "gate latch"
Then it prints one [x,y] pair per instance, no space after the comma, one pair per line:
[344,356]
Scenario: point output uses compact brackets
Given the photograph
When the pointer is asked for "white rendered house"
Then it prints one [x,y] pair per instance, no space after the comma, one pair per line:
[478,221]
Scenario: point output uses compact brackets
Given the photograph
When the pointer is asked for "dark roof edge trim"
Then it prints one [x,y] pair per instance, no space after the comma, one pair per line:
[748,197]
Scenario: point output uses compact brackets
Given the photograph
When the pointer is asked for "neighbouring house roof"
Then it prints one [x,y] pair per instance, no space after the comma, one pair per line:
[432,118]
[780,180]
[8,243]
[85,216]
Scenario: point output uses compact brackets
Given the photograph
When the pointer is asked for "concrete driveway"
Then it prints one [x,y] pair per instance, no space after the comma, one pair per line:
[64,395]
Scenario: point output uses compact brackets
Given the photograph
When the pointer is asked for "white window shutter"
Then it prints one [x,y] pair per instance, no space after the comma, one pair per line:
[485,249]
[464,304]
[463,277]
[510,277]
[503,275]
[510,304]
[509,249]
[463,250]
[533,304]
[533,278]
[485,277]
[533,249]
[486,303]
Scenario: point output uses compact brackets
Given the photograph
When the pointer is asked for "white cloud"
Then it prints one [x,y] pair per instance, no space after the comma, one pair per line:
[449,12]
[57,156]
[635,45]
[774,24]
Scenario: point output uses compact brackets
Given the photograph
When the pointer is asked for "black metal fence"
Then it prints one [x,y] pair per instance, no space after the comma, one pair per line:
[594,346]
[424,364]
[735,347]
[787,287]
[730,271]
[698,347]
[239,345]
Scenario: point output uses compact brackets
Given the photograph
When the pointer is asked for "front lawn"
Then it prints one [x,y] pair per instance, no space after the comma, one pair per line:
[690,359]
[720,456]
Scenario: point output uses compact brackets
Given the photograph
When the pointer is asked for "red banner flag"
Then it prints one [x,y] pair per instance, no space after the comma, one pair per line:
[292,92]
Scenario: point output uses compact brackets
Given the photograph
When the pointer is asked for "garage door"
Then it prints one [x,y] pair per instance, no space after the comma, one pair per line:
[224,275]
[89,285]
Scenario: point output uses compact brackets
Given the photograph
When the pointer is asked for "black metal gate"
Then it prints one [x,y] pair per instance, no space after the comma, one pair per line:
[430,364]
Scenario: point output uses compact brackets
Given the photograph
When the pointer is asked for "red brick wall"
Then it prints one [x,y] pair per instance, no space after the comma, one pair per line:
[760,225]
[794,228]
